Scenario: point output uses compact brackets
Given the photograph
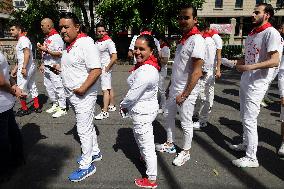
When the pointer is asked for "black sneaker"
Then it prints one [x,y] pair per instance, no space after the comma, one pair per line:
[21,112]
[36,110]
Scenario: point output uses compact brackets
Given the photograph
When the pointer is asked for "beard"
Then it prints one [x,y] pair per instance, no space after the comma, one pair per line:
[258,22]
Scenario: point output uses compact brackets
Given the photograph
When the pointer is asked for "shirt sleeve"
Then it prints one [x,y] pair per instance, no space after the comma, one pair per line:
[274,42]
[132,43]
[218,41]
[56,45]
[281,79]
[92,55]
[136,90]
[165,52]
[111,47]
[25,43]
[199,48]
[157,43]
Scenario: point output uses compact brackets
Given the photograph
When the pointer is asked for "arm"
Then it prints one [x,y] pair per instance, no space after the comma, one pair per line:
[113,58]
[219,62]
[26,61]
[9,88]
[191,80]
[56,54]
[91,79]
[130,54]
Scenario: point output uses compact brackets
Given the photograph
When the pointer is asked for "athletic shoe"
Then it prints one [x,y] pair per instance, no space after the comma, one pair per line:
[238,147]
[36,110]
[97,157]
[181,158]
[81,174]
[111,108]
[160,111]
[59,112]
[198,125]
[21,112]
[165,148]
[245,162]
[102,115]
[281,150]
[52,109]
[145,183]
[263,104]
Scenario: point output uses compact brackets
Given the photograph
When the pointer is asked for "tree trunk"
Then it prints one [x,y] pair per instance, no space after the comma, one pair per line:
[92,16]
[81,5]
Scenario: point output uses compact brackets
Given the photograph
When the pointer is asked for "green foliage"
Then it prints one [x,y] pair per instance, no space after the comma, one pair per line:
[156,14]
[232,51]
[32,16]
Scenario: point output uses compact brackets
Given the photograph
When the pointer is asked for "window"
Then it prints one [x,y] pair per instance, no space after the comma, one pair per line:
[239,4]
[20,4]
[279,3]
[218,3]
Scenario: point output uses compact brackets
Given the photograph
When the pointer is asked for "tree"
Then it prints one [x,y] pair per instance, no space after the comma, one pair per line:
[156,14]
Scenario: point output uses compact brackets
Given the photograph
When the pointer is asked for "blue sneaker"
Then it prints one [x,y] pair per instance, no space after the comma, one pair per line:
[81,174]
[165,148]
[97,157]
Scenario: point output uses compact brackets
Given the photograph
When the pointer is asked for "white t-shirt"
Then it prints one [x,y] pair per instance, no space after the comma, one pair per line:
[165,53]
[77,63]
[210,53]
[23,43]
[106,48]
[218,41]
[194,47]
[142,95]
[53,43]
[257,47]
[281,77]
[7,100]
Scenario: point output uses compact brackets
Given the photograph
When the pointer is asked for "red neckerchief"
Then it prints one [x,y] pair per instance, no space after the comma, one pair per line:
[206,34]
[164,45]
[22,34]
[152,60]
[213,32]
[69,47]
[145,33]
[52,32]
[260,29]
[105,37]
[193,31]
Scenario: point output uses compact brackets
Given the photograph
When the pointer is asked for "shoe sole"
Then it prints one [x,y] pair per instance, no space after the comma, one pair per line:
[182,163]
[251,166]
[171,152]
[89,174]
[144,186]
[237,149]
[59,116]
[102,118]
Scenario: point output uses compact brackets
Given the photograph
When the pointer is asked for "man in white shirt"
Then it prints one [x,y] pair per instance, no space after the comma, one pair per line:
[80,70]
[183,89]
[25,69]
[108,56]
[11,146]
[263,51]
[51,54]
[219,44]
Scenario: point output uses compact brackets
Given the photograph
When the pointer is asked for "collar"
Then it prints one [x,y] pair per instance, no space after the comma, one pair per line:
[260,29]
[193,31]
[22,34]
[164,45]
[207,34]
[52,32]
[105,37]
[146,33]
[80,35]
[152,60]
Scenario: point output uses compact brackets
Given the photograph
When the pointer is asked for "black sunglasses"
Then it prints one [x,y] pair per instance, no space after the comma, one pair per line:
[183,17]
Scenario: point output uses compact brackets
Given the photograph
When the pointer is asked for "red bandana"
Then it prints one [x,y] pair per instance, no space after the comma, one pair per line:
[146,33]
[52,32]
[206,34]
[69,47]
[164,45]
[152,60]
[22,34]
[260,29]
[213,32]
[105,37]
[193,31]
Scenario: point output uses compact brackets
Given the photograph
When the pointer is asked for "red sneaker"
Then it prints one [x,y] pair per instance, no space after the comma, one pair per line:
[144,183]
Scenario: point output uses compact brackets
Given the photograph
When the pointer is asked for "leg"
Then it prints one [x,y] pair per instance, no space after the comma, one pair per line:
[4,140]
[106,97]
[58,90]
[170,115]
[47,80]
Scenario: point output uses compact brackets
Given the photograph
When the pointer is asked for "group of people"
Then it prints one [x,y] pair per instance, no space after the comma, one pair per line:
[72,64]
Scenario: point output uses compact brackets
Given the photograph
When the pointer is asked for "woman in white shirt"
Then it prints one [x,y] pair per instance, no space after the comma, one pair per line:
[142,105]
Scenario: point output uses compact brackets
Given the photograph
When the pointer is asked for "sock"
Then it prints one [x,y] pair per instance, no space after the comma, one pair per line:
[24,105]
[36,103]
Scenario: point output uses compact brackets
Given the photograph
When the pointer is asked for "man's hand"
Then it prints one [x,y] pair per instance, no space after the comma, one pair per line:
[282,101]
[41,47]
[180,99]
[41,68]
[14,72]
[243,68]
[107,69]
[24,72]
[79,91]
[218,74]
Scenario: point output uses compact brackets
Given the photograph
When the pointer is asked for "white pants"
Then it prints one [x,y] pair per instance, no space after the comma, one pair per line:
[54,88]
[282,114]
[106,80]
[186,113]
[162,90]
[84,108]
[250,99]
[205,98]
[143,134]
[27,84]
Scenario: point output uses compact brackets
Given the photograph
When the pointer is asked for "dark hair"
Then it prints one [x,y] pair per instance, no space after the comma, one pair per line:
[189,6]
[18,26]
[267,9]
[101,24]
[151,43]
[165,40]
[72,16]
[145,29]
[203,25]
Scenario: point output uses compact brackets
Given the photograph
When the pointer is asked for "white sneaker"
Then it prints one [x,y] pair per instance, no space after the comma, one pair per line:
[52,109]
[238,147]
[263,104]
[281,150]
[165,148]
[102,115]
[181,158]
[198,125]
[59,112]
[111,108]
[160,111]
[245,162]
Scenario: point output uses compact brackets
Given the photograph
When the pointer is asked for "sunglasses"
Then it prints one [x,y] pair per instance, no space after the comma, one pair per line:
[183,17]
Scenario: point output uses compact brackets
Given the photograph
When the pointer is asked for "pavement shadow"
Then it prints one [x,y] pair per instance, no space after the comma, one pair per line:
[227,102]
[43,162]
[42,99]
[100,100]
[233,92]
[125,141]
[159,132]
